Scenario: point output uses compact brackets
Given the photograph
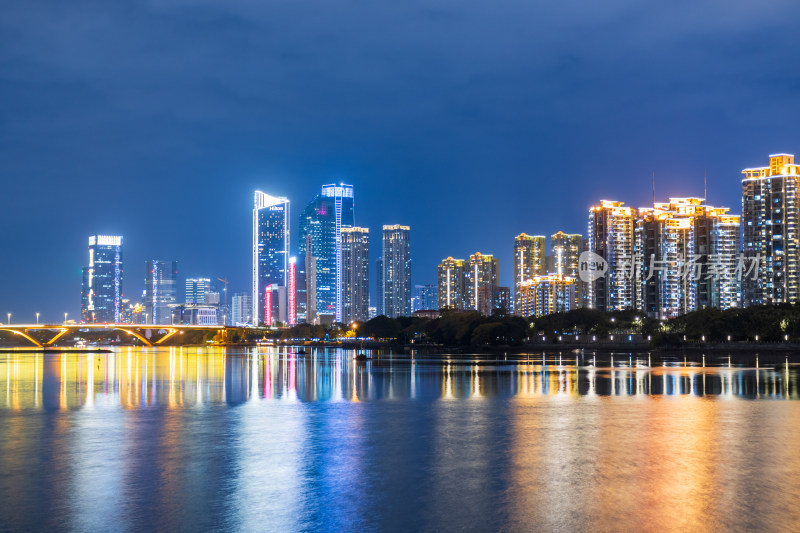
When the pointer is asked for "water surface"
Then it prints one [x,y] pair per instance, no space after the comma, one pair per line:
[271,440]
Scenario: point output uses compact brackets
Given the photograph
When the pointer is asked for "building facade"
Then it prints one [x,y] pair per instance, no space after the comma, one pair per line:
[565,249]
[270,253]
[425,298]
[545,295]
[197,290]
[529,260]
[160,291]
[450,284]
[480,270]
[770,226]
[101,294]
[242,309]
[611,236]
[355,274]
[396,270]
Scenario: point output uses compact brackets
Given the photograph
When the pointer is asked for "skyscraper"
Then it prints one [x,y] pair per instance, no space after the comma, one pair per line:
[291,292]
[342,196]
[270,253]
[160,291]
[197,290]
[450,275]
[529,261]
[320,248]
[771,231]
[355,274]
[611,236]
[566,248]
[481,270]
[396,270]
[101,295]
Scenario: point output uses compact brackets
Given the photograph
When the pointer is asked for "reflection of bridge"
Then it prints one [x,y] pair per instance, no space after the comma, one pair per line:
[42,336]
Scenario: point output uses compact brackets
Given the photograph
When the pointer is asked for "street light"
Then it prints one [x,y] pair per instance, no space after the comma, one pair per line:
[37,319]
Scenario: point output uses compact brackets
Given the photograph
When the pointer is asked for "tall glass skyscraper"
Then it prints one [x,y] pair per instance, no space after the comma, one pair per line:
[396,271]
[101,295]
[160,291]
[270,253]
[320,249]
[197,290]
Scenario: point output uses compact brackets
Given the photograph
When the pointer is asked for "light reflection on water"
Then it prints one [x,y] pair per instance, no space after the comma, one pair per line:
[187,439]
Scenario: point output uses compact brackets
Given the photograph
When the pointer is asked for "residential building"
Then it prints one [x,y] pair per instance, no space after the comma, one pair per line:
[355,274]
[480,270]
[611,236]
[396,270]
[565,250]
[548,294]
[529,260]
[450,284]
[770,226]
[424,298]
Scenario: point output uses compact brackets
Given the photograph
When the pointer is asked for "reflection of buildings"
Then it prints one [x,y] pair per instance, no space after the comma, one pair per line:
[101,296]
[176,377]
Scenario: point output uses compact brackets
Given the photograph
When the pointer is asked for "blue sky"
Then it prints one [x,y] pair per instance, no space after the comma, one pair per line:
[469,121]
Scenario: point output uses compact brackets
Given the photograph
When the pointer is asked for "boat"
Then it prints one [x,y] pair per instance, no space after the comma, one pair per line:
[361,357]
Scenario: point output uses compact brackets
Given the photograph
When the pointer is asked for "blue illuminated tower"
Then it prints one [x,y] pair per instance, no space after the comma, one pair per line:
[270,250]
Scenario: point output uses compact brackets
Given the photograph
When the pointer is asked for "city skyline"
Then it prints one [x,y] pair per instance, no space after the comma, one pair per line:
[160,151]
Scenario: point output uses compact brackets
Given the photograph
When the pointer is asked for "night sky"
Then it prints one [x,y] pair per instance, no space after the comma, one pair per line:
[469,121]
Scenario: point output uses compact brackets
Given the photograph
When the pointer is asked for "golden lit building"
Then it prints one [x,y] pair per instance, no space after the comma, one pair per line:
[566,248]
[686,258]
[529,260]
[611,236]
[480,270]
[771,226]
[450,285]
[548,294]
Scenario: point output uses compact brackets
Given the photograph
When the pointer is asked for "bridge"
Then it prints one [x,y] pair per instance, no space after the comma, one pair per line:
[44,336]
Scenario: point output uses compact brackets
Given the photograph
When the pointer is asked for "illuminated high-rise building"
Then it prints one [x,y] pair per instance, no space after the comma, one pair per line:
[321,224]
[687,254]
[611,236]
[548,294]
[450,284]
[396,270]
[101,295]
[355,274]
[529,260]
[770,232]
[480,270]
[160,291]
[565,249]
[270,253]
[197,290]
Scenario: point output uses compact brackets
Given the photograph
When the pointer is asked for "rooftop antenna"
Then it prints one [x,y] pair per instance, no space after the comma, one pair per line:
[654,189]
